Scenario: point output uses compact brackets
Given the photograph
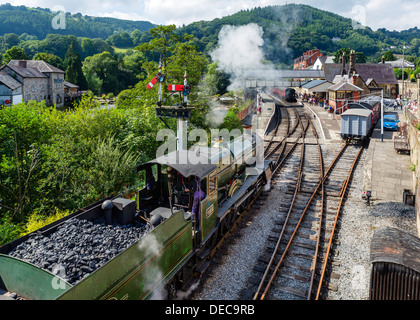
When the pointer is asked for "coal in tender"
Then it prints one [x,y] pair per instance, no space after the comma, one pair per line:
[78,247]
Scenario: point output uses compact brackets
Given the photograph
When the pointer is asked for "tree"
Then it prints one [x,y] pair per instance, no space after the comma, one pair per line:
[22,131]
[122,40]
[164,38]
[14,53]
[133,62]
[93,46]
[10,40]
[215,81]
[389,56]
[105,67]
[50,58]
[74,73]
[231,121]
[398,74]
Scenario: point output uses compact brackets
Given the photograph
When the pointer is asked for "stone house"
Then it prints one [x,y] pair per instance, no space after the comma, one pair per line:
[38,81]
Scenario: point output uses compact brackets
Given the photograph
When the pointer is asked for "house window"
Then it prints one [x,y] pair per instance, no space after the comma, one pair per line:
[33,88]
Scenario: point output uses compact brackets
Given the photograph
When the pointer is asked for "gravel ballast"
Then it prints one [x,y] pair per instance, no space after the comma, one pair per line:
[351,260]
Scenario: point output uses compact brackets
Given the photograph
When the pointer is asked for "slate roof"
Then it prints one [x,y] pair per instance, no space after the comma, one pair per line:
[313,83]
[382,73]
[9,81]
[399,63]
[70,85]
[40,65]
[27,72]
[344,86]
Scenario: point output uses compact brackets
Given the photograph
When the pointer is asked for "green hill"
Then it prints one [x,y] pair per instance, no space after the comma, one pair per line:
[38,22]
[290,30]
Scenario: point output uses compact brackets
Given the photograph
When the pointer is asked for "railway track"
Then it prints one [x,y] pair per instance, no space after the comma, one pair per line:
[295,263]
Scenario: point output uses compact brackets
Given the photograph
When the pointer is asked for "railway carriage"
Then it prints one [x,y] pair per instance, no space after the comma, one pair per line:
[190,200]
[356,124]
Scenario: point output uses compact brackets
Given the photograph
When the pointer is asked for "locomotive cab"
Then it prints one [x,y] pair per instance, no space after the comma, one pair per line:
[176,182]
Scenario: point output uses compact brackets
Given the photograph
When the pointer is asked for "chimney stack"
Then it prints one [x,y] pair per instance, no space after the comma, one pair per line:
[22,63]
[352,67]
[343,61]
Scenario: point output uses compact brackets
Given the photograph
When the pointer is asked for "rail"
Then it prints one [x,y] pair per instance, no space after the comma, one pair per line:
[266,284]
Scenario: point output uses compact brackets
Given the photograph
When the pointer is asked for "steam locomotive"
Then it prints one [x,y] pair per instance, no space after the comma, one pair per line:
[288,94]
[190,199]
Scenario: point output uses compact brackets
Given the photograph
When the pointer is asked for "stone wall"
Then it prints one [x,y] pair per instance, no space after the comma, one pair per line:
[414,141]
[35,89]
[410,88]
[56,88]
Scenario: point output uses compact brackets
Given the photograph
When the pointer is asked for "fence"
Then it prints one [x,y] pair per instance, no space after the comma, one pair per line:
[243,113]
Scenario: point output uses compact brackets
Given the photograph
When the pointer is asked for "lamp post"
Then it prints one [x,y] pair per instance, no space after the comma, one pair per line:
[403,76]
[382,116]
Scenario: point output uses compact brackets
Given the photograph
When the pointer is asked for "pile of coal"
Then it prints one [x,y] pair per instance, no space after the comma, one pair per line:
[78,247]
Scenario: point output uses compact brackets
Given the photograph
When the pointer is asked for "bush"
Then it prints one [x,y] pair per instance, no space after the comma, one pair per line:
[8,231]
[37,221]
[231,120]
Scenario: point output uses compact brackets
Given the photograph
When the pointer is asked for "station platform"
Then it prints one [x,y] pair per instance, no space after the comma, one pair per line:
[330,126]
[387,173]
[260,122]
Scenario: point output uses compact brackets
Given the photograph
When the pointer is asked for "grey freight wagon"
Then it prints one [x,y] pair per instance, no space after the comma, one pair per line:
[356,124]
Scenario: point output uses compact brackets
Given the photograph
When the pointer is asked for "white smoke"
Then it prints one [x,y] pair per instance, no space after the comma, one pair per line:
[216,115]
[239,49]
[151,247]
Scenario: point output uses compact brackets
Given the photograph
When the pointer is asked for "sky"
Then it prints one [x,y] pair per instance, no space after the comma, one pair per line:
[390,14]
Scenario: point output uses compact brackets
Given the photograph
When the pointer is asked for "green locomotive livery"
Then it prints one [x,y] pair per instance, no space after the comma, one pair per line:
[190,199]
